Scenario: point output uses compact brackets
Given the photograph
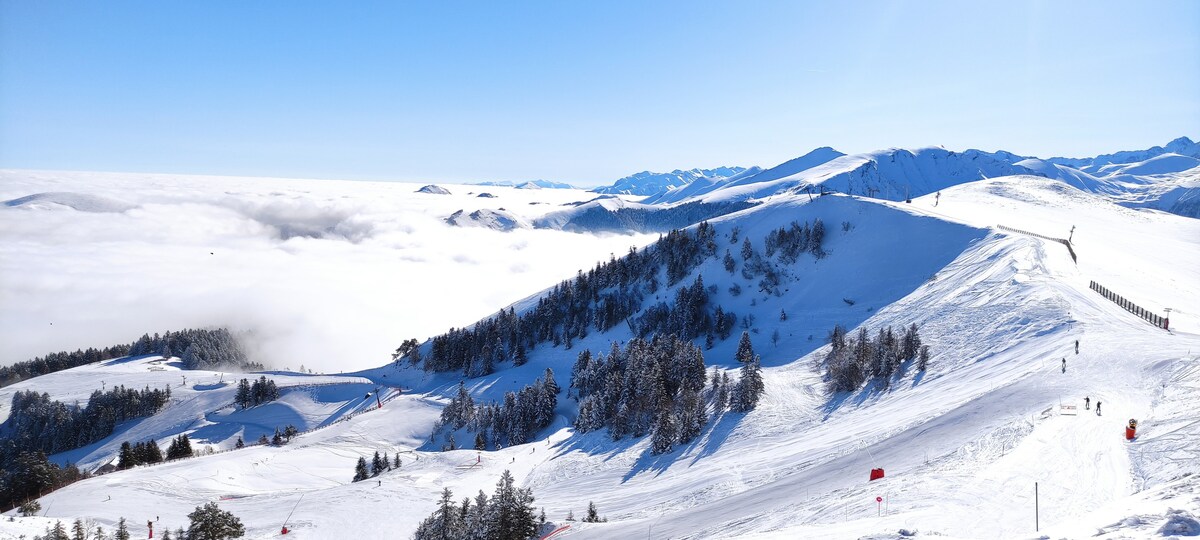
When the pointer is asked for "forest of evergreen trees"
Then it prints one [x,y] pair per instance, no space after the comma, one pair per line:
[38,426]
[851,361]
[657,385]
[516,421]
[141,453]
[38,423]
[28,474]
[197,348]
[256,393]
[613,293]
[507,515]
[57,362]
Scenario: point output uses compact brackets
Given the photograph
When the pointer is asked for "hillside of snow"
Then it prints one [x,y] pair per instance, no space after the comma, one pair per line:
[962,443]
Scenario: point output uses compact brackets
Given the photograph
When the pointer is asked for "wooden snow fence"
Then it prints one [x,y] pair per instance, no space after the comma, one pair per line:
[1152,318]
[1062,241]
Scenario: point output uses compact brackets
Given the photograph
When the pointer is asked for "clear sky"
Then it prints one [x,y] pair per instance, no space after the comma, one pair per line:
[578,91]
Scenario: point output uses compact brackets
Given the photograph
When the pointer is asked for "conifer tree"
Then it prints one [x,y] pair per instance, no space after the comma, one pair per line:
[745,350]
[377,465]
[593,516]
[360,470]
[209,522]
[664,436]
[122,531]
[749,388]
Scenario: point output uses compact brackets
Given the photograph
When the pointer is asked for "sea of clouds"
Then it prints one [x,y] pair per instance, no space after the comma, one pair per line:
[331,275]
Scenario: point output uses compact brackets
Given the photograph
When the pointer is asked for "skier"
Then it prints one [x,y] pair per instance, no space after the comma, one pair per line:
[1097,407]
[936,198]
[1077,346]
[1086,401]
[1064,365]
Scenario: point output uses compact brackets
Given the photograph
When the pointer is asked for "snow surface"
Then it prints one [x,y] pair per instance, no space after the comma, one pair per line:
[963,443]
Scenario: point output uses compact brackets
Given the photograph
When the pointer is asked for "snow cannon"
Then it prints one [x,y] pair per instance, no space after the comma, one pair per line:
[876,474]
[1131,430]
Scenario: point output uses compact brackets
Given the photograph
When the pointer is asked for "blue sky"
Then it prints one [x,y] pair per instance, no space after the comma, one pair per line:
[578,91]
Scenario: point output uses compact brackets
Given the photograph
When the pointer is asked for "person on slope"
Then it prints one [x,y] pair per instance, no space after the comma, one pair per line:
[1097,407]
[1064,365]
[1086,401]
[1077,346]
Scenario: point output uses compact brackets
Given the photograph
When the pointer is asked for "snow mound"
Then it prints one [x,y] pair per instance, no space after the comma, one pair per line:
[82,202]
[435,190]
[1180,523]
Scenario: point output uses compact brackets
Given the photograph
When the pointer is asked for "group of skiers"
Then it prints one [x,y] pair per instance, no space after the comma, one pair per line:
[1087,400]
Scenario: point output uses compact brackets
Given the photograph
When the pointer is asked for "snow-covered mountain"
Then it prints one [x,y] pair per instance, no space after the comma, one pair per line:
[963,442]
[1182,146]
[531,184]
[650,183]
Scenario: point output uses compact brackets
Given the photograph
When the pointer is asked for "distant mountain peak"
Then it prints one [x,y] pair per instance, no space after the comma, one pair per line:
[650,183]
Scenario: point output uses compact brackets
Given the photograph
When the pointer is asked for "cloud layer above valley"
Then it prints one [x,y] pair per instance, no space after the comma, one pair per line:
[329,274]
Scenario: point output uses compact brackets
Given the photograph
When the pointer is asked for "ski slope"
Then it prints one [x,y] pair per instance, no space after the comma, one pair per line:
[963,443]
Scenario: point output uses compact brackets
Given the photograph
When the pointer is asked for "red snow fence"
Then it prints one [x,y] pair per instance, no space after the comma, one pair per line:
[876,474]
[1131,430]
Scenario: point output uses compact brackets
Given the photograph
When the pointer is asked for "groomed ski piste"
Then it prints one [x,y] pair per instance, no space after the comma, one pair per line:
[962,443]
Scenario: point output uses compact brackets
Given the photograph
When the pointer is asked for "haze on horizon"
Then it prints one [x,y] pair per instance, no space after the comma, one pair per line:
[579,93]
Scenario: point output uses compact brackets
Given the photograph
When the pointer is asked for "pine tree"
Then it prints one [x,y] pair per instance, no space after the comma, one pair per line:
[923,359]
[30,508]
[593,516]
[445,523]
[277,439]
[745,350]
[396,462]
[782,315]
[377,465]
[664,435]
[59,532]
[550,384]
[747,249]
[749,388]
[209,522]
[243,394]
[125,456]
[480,441]
[360,470]
[122,531]
[78,531]
[240,443]
[511,510]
